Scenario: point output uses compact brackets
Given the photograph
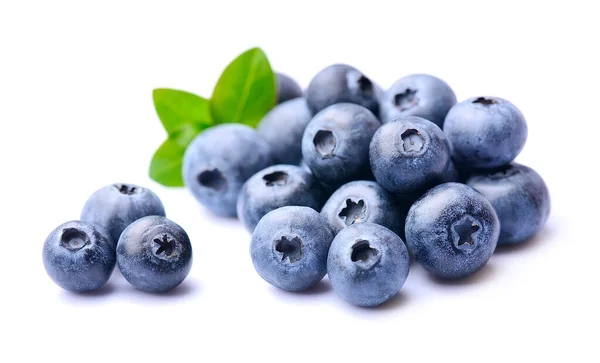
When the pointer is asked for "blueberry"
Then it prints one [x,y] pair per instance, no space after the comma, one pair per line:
[363,202]
[485,132]
[116,206]
[79,256]
[289,248]
[275,187]
[409,155]
[519,196]
[367,264]
[283,128]
[219,161]
[452,230]
[341,83]
[154,254]
[287,88]
[335,145]
[418,95]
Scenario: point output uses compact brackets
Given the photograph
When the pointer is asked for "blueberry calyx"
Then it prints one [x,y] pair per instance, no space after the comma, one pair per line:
[126,189]
[212,179]
[412,141]
[290,248]
[353,212]
[406,100]
[465,232]
[364,84]
[74,239]
[165,244]
[360,82]
[364,255]
[277,178]
[325,143]
[485,101]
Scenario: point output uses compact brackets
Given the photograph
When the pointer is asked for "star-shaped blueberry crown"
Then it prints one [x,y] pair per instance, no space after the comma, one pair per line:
[166,244]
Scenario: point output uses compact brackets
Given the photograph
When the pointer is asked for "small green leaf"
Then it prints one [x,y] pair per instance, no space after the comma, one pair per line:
[246,90]
[167,161]
[177,109]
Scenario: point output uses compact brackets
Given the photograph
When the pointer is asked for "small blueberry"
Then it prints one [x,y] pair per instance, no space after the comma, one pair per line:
[79,256]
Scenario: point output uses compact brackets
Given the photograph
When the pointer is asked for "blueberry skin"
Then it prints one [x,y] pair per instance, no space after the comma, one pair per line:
[419,95]
[219,161]
[341,83]
[409,155]
[367,264]
[335,145]
[275,187]
[289,248]
[283,127]
[363,202]
[154,254]
[452,230]
[287,88]
[79,256]
[485,132]
[116,206]
[520,197]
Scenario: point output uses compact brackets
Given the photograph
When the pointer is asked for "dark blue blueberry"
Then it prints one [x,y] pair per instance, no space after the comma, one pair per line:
[275,187]
[485,132]
[116,206]
[219,161]
[283,128]
[289,248]
[287,88]
[418,95]
[452,230]
[363,202]
[519,196]
[79,256]
[342,83]
[154,254]
[335,145]
[409,155]
[367,264]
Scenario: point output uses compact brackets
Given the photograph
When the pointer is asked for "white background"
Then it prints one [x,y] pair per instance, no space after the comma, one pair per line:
[76,113]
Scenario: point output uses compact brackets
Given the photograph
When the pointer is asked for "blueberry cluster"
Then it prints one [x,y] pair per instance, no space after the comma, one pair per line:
[334,182]
[124,225]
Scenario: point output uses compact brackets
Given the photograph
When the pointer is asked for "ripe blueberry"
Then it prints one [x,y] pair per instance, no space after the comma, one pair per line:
[287,88]
[367,264]
[289,248]
[275,187]
[519,196]
[116,206]
[419,95]
[409,155]
[219,161]
[283,127]
[363,202]
[154,254]
[342,83]
[485,132]
[335,145]
[79,256]
[452,230]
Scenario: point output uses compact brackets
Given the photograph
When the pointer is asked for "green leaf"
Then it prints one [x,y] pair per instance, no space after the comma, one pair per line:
[166,165]
[177,109]
[246,90]
[183,115]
